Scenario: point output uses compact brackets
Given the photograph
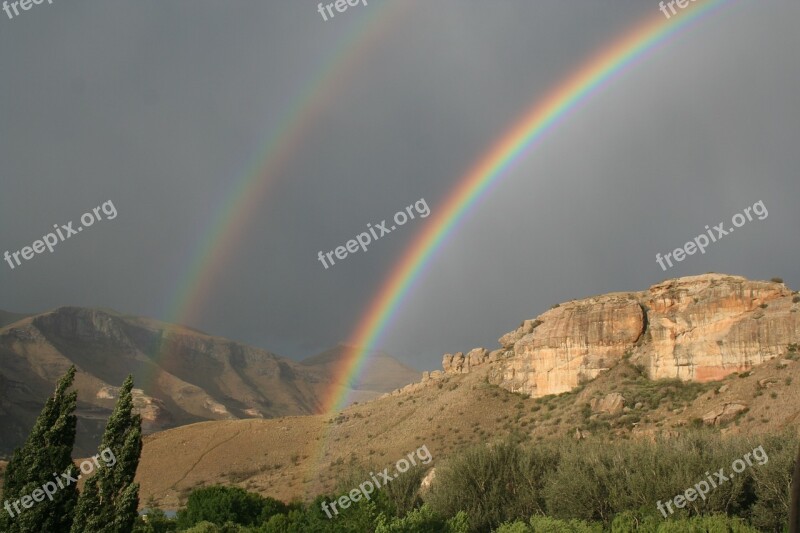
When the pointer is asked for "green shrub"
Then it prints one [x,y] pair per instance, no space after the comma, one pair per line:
[513,527]
[422,520]
[219,505]
[630,521]
[493,484]
[544,524]
[706,524]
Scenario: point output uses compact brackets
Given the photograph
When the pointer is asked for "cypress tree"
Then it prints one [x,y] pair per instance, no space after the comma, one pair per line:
[110,498]
[39,472]
[794,518]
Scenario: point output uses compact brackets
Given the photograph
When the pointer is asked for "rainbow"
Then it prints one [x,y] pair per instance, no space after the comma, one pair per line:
[535,123]
[225,230]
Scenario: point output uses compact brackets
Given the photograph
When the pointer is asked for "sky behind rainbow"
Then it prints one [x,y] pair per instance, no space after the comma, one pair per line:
[505,152]
[255,137]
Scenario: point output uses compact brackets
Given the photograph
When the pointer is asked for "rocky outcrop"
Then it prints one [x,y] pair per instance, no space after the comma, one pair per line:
[510,339]
[724,414]
[574,342]
[459,363]
[612,403]
[152,410]
[703,328]
[426,482]
[699,328]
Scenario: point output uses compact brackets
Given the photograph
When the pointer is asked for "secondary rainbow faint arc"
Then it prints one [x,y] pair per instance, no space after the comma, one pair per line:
[224,230]
[535,123]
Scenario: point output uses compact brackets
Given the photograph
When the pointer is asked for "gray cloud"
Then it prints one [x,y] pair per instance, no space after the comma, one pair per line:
[161,108]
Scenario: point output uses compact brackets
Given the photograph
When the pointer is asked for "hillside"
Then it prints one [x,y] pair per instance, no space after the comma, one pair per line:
[381,372]
[182,375]
[469,402]
[7,318]
[299,457]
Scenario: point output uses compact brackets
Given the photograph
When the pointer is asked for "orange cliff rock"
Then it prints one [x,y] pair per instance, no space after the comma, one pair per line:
[699,328]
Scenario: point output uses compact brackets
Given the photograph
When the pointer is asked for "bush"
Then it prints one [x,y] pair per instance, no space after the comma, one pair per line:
[543,524]
[565,485]
[360,516]
[706,524]
[220,505]
[422,520]
[630,521]
[203,527]
[513,527]
[493,484]
[403,492]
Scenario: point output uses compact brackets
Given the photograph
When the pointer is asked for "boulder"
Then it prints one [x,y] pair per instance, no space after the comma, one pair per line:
[724,414]
[477,356]
[447,362]
[767,382]
[612,403]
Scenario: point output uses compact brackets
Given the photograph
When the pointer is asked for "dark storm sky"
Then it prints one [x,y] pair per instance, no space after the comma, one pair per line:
[161,106]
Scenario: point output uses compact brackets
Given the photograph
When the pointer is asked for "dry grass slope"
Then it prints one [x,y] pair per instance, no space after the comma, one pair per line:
[300,457]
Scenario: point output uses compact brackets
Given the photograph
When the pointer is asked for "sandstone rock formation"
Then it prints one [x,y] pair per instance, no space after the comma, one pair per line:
[613,403]
[705,327]
[699,328]
[724,413]
[574,342]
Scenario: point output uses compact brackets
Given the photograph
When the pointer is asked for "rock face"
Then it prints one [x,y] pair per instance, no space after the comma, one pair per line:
[612,403]
[699,328]
[574,342]
[724,414]
[706,327]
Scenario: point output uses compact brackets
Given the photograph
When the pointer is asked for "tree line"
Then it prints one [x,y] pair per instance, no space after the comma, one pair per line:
[40,490]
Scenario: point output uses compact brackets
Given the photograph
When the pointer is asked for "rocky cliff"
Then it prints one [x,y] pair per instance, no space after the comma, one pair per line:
[698,328]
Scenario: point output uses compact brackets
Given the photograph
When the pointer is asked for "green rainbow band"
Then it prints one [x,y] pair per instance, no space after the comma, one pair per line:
[225,230]
[536,122]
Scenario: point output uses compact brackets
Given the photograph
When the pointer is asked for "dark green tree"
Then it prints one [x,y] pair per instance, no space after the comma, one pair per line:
[794,525]
[41,473]
[110,498]
[219,505]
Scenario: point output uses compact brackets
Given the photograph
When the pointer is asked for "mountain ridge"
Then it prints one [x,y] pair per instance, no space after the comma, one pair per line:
[182,375]
[475,399]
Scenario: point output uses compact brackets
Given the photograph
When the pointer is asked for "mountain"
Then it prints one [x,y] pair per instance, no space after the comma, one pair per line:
[183,375]
[381,373]
[7,318]
[619,374]
[697,328]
